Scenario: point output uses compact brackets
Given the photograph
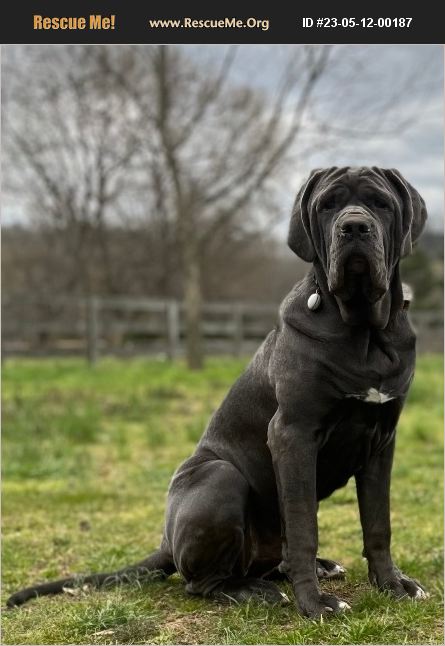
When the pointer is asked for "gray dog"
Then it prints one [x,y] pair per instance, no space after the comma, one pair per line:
[318,403]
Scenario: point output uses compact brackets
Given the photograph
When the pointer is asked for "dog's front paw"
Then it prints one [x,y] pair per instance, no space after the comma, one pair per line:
[398,584]
[319,605]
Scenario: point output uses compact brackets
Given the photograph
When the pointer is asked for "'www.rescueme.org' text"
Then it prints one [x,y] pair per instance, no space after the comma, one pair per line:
[209,23]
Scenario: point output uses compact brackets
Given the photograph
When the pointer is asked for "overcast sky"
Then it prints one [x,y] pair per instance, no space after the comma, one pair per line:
[409,137]
[417,151]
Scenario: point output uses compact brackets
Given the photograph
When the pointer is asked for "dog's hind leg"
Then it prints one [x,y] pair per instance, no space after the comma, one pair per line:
[208,533]
[327,569]
[245,589]
[158,565]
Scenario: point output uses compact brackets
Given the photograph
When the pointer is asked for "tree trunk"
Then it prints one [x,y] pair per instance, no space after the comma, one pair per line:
[193,302]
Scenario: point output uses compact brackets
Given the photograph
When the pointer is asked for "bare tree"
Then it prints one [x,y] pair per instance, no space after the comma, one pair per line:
[69,138]
[213,149]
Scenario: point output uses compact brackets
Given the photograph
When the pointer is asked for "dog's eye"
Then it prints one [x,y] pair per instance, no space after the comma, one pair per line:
[378,202]
[329,203]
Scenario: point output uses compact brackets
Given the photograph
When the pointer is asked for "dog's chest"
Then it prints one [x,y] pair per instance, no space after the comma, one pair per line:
[374,388]
[377,378]
[356,431]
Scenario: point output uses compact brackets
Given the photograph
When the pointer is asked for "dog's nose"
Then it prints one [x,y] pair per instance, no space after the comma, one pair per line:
[355,227]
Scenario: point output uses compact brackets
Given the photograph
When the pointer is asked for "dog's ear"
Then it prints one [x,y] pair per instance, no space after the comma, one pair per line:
[300,238]
[414,210]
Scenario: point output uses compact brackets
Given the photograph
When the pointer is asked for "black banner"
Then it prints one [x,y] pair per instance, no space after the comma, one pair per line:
[144,22]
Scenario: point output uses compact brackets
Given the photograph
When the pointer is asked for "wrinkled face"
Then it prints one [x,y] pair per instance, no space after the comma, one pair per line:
[356,223]
[355,218]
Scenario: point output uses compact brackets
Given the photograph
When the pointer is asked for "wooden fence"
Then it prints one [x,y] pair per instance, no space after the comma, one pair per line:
[126,326]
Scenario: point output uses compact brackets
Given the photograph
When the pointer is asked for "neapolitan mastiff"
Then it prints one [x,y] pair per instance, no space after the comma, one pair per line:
[318,404]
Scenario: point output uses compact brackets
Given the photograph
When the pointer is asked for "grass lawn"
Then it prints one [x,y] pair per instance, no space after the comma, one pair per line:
[87,457]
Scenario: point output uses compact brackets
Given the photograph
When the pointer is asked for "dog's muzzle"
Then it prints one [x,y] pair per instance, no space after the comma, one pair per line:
[356,252]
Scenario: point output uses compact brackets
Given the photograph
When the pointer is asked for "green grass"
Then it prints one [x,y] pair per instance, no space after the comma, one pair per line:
[87,457]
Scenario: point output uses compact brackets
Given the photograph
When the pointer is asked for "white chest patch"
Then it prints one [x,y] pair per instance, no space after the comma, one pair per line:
[373,396]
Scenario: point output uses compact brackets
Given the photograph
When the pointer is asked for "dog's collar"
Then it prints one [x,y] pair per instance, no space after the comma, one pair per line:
[314,300]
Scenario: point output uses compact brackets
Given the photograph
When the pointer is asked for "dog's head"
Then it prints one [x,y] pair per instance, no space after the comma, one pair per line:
[356,224]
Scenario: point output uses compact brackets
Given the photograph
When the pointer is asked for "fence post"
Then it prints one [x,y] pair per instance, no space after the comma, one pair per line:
[237,330]
[173,331]
[92,320]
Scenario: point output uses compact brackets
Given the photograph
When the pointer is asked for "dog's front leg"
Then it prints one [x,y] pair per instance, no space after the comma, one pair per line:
[294,455]
[373,488]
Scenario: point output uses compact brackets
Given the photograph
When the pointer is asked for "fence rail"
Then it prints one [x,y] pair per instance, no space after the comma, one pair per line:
[129,326]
